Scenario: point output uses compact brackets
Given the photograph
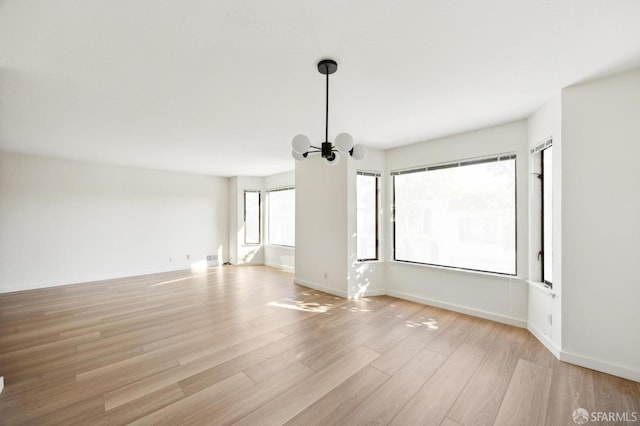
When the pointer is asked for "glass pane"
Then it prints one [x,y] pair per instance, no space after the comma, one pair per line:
[367,227]
[282,217]
[547,229]
[252,218]
[463,217]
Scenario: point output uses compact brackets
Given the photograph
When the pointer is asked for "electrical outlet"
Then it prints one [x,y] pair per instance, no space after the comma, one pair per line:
[326,276]
[209,258]
[188,256]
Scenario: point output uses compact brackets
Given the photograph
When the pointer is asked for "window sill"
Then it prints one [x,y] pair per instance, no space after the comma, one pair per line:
[542,287]
[281,246]
[459,271]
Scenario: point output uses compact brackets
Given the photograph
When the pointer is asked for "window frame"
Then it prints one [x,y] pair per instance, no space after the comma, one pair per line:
[268,224]
[252,191]
[451,164]
[376,175]
[542,215]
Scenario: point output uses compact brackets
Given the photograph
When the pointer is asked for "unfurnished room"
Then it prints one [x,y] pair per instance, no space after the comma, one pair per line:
[311,212]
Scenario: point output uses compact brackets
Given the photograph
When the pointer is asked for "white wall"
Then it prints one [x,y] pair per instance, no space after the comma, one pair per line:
[601,224]
[321,225]
[279,256]
[545,306]
[241,253]
[65,221]
[326,228]
[486,295]
[281,180]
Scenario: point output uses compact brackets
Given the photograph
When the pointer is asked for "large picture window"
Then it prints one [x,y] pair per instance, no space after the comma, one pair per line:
[460,215]
[251,217]
[367,215]
[281,204]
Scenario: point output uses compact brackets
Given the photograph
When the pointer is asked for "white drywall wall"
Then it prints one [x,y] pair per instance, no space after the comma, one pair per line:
[321,225]
[600,224]
[64,221]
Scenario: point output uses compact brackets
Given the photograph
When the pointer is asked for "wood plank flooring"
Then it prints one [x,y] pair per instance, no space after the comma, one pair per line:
[243,345]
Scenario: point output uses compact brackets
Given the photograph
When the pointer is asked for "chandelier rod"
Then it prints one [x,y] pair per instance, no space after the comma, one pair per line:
[326,117]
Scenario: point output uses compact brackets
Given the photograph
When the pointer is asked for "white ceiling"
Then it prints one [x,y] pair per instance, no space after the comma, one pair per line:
[221,87]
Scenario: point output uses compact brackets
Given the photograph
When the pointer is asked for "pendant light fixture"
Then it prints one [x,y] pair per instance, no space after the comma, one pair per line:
[344,142]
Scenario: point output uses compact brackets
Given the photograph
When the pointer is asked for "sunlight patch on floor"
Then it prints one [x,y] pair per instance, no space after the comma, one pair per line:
[181,279]
[299,305]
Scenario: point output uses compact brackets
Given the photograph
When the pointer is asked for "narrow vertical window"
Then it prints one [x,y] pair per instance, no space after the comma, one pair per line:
[547,215]
[252,217]
[281,217]
[367,185]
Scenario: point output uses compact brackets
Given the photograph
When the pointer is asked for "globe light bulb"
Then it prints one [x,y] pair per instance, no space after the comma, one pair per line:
[359,152]
[344,142]
[301,144]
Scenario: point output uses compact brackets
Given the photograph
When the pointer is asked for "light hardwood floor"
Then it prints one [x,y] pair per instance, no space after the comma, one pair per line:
[243,345]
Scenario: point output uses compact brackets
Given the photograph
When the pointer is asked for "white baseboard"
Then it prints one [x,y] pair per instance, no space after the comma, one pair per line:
[372,293]
[603,366]
[281,267]
[242,265]
[90,279]
[247,264]
[544,340]
[593,364]
[319,287]
[462,309]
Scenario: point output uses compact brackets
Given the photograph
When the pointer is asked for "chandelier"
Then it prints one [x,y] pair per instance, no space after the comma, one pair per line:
[344,142]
